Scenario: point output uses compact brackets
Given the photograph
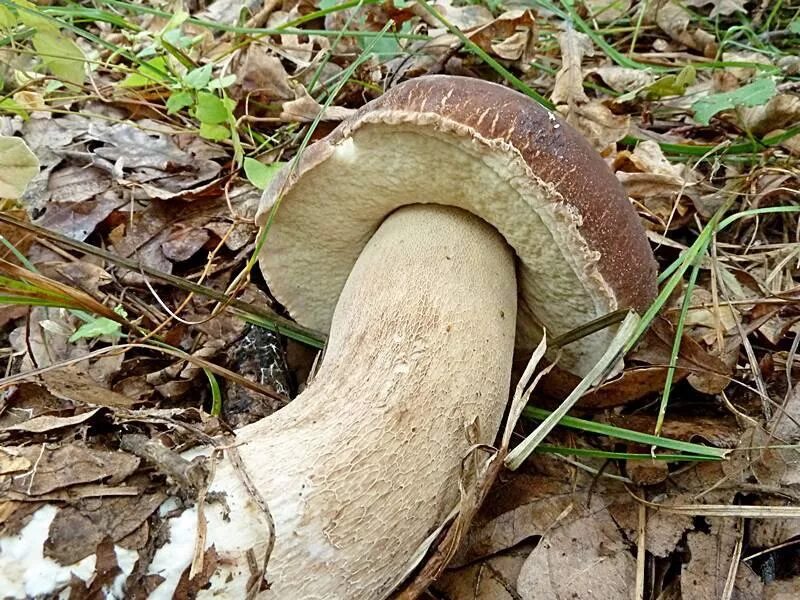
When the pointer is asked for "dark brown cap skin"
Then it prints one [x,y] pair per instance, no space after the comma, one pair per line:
[555,152]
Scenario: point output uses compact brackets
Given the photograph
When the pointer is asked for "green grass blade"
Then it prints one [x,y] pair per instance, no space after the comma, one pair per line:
[517,456]
[610,455]
[645,439]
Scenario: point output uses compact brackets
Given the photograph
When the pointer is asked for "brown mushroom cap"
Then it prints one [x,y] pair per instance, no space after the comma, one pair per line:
[581,249]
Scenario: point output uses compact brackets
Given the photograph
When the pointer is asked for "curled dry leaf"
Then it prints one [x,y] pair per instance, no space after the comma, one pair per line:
[261,76]
[655,182]
[295,48]
[646,372]
[781,111]
[568,88]
[623,79]
[464,18]
[228,11]
[84,275]
[744,74]
[510,36]
[305,109]
[47,423]
[674,20]
[42,347]
[596,121]
[706,317]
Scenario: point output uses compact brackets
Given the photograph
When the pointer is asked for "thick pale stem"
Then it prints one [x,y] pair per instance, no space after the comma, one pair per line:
[364,465]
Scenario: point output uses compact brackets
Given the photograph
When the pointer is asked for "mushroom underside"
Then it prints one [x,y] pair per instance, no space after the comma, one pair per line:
[350,188]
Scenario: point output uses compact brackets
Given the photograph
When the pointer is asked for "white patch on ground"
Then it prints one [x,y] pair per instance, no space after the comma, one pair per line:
[26,572]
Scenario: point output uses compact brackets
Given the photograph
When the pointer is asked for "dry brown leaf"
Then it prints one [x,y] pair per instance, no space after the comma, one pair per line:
[77,530]
[663,530]
[72,183]
[55,468]
[596,121]
[291,47]
[187,588]
[518,508]
[706,373]
[606,11]
[12,462]
[183,243]
[722,432]
[785,422]
[493,579]
[511,36]
[658,184]
[261,76]
[623,79]
[647,370]
[633,383]
[677,22]
[79,220]
[568,88]
[305,109]
[229,11]
[585,558]
[768,533]
[71,383]
[142,234]
[105,571]
[744,74]
[47,423]
[705,575]
[76,492]
[704,314]
[466,18]
[720,7]
[42,347]
[781,111]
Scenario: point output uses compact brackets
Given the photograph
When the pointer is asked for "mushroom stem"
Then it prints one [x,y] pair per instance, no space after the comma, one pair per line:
[363,465]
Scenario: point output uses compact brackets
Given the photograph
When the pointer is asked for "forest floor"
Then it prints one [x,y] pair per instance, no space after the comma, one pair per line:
[150,129]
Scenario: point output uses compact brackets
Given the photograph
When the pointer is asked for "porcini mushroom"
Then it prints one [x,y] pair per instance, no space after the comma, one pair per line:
[426,232]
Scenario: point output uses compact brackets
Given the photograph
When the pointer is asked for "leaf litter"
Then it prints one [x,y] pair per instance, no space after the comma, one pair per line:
[155,146]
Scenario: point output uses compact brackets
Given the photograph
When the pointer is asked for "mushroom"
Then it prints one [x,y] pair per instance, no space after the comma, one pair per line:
[431,229]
